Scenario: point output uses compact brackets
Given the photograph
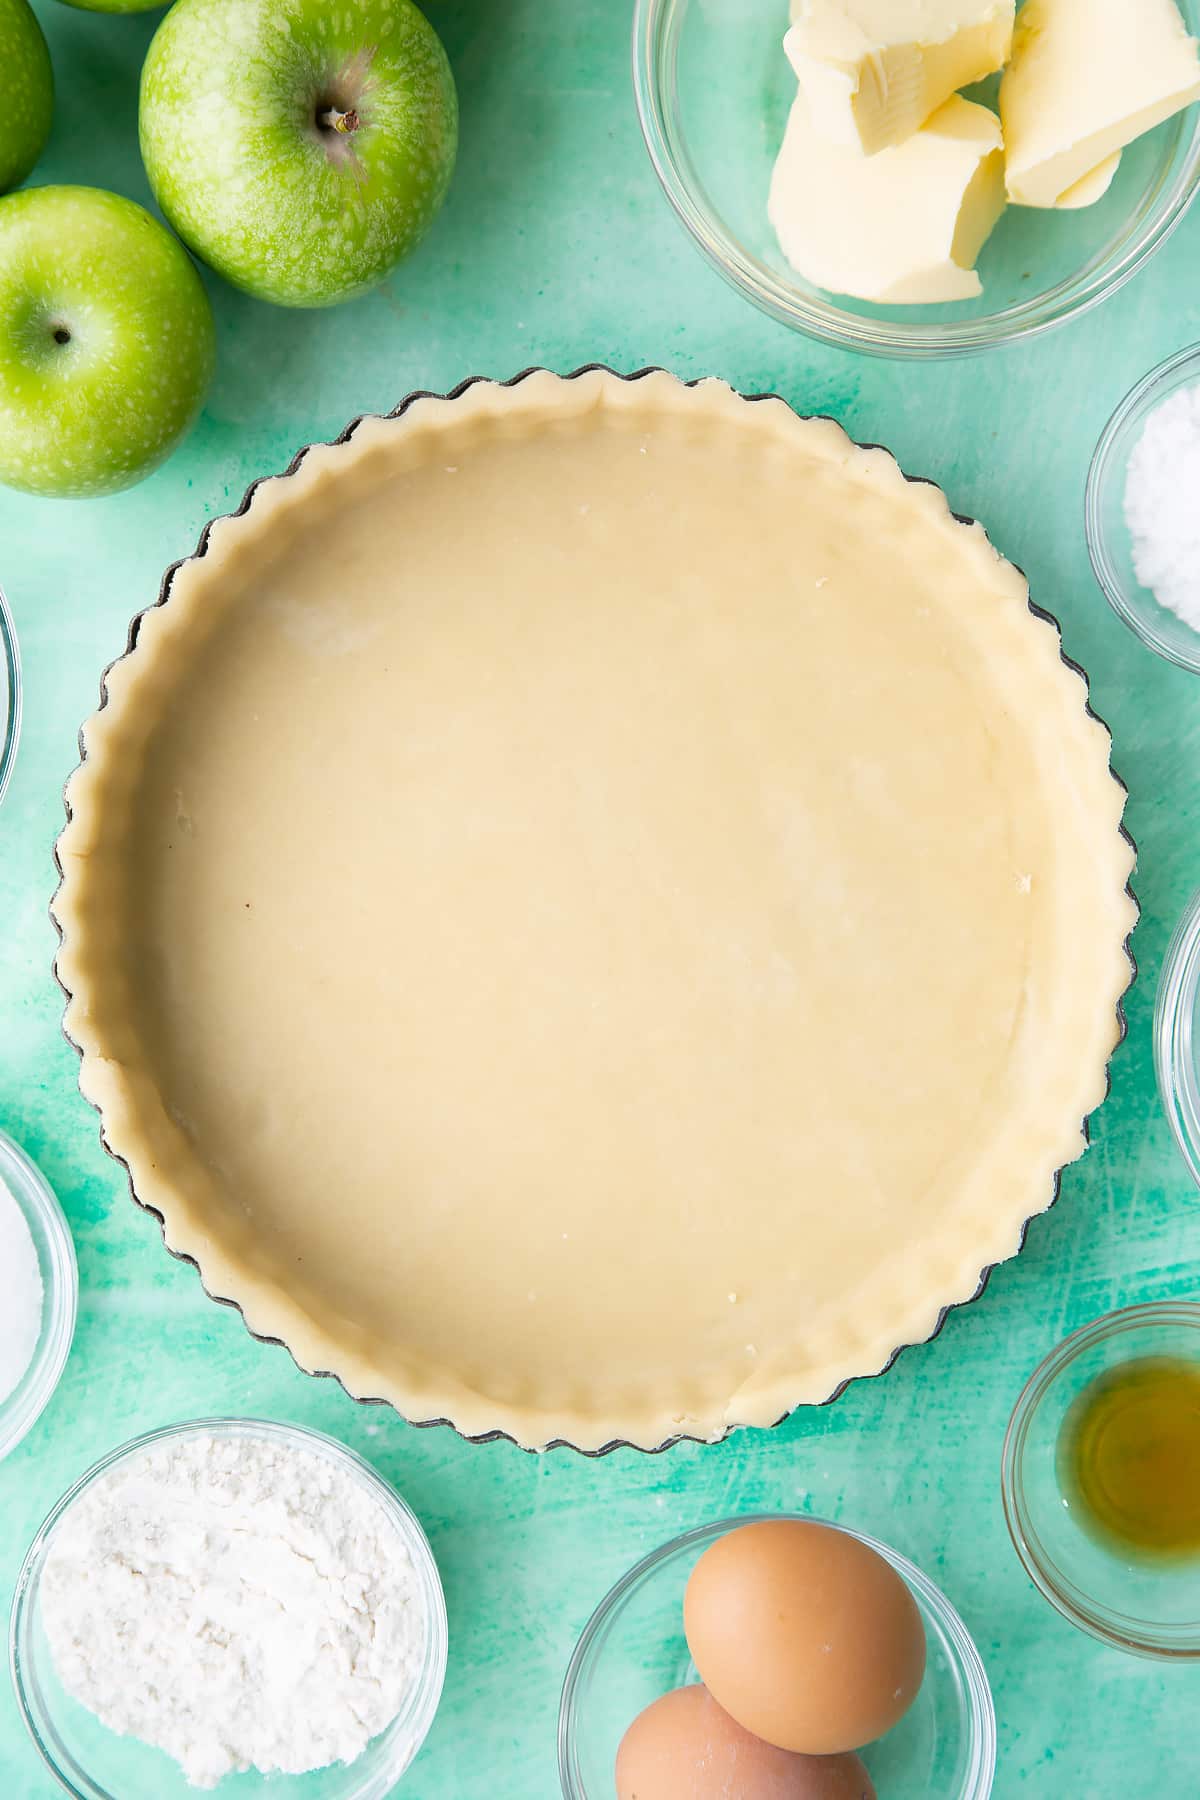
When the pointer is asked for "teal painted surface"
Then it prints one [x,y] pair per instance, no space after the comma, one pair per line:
[556,246]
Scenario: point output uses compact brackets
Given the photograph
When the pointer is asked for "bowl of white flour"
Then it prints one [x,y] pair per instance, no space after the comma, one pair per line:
[229,1605]
[1142,510]
[39,1291]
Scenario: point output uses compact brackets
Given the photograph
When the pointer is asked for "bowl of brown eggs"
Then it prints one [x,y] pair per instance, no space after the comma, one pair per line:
[781,1657]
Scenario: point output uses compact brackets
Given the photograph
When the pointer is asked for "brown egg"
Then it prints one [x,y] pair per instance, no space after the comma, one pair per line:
[808,1638]
[685,1748]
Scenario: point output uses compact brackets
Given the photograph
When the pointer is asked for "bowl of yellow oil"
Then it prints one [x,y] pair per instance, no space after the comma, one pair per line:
[1101,1479]
[1129,1457]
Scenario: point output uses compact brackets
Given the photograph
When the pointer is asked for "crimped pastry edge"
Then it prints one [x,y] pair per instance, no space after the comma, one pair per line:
[525,1427]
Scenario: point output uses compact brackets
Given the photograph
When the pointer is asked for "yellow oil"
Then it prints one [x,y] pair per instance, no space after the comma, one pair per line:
[1129,1455]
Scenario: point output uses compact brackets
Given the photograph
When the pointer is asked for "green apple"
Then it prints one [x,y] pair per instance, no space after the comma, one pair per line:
[300,147]
[28,91]
[107,341]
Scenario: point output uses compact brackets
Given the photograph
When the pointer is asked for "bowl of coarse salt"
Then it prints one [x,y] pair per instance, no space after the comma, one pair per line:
[1142,510]
[229,1605]
[39,1292]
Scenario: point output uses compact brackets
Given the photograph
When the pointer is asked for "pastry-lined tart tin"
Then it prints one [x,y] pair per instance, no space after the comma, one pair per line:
[71,926]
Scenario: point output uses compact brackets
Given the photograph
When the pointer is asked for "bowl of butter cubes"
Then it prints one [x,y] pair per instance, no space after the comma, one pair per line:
[921,178]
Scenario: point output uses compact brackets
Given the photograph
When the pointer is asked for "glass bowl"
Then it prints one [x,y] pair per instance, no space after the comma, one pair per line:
[1151,1608]
[60,1284]
[92,1763]
[1176,1041]
[1108,538]
[10,694]
[713,89]
[633,1649]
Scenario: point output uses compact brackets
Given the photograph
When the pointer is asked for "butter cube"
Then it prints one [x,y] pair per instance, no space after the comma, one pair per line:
[903,227]
[873,71]
[1086,78]
[1093,187]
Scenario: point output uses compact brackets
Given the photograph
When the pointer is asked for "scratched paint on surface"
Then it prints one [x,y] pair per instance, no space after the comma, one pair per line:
[556,246]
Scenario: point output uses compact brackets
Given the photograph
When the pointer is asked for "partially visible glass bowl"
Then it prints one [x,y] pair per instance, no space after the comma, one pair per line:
[1108,538]
[1177,1036]
[60,1292]
[10,694]
[713,89]
[1151,1608]
[633,1650]
[92,1763]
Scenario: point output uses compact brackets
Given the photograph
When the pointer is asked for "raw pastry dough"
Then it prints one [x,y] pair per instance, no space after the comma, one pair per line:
[594,909]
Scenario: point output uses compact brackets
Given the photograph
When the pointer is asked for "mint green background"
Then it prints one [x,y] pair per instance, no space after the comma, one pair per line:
[556,246]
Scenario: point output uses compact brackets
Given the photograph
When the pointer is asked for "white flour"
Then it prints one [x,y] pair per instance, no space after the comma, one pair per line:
[1162,504]
[21,1295]
[237,1602]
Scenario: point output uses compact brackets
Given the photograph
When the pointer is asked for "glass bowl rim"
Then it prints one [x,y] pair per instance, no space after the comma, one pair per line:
[1174,1008]
[829,323]
[1117,1630]
[981,1713]
[34,1197]
[1100,471]
[426,1692]
[10,686]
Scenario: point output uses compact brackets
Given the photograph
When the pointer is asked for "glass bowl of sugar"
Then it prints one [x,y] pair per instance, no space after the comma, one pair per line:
[38,1295]
[1142,511]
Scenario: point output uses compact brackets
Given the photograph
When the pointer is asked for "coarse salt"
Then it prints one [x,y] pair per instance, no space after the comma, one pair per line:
[1162,505]
[21,1294]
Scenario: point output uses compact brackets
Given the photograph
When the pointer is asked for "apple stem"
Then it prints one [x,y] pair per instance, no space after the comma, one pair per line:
[333,119]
